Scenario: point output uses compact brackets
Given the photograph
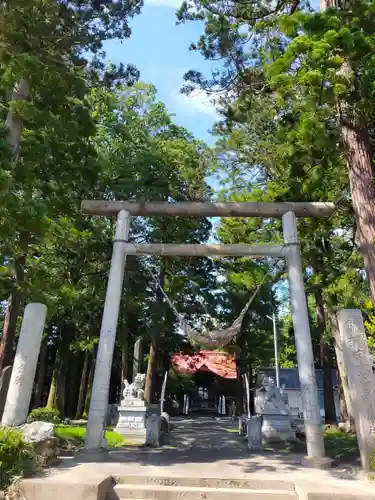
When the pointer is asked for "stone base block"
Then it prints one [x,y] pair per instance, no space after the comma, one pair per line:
[92,456]
[165,422]
[317,462]
[132,422]
[153,431]
[135,437]
[154,409]
[71,486]
[242,425]
[278,428]
[254,433]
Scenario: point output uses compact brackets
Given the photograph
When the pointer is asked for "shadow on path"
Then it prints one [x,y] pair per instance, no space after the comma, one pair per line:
[205,447]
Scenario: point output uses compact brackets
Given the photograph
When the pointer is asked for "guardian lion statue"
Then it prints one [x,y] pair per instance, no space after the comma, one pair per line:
[135,390]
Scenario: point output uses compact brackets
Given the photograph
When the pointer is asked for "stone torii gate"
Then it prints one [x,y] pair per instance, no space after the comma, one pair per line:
[124,210]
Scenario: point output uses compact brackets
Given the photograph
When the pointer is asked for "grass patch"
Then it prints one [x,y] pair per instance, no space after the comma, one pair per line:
[232,430]
[75,435]
[341,445]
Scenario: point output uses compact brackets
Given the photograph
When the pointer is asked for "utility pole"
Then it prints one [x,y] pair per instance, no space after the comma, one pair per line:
[275,341]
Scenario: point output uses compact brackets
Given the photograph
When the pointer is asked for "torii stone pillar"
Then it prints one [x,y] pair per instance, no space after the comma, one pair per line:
[103,366]
[24,366]
[305,359]
[361,379]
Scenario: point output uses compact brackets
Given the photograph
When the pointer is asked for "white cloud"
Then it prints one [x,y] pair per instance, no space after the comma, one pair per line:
[196,102]
[175,4]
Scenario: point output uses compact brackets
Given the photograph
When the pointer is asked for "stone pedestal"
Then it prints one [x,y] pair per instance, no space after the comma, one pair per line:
[254,433]
[153,431]
[132,420]
[361,380]
[154,409]
[277,427]
[242,425]
[276,418]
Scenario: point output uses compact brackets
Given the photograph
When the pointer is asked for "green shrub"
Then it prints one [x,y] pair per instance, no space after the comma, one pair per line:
[17,458]
[77,435]
[44,415]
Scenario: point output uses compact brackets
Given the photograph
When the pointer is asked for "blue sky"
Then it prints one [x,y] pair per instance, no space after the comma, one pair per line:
[160,50]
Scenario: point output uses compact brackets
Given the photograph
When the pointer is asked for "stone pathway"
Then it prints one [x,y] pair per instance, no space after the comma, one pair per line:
[208,446]
[204,440]
[202,446]
[199,451]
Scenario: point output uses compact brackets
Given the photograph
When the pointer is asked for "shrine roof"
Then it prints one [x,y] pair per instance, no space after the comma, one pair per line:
[221,363]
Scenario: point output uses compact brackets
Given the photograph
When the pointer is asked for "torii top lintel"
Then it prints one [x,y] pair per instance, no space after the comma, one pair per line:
[207,209]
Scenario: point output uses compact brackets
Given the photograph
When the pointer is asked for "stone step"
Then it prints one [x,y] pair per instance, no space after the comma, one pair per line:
[161,492]
[255,483]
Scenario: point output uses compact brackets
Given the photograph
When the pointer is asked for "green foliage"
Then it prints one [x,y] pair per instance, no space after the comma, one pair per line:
[17,458]
[91,132]
[341,445]
[280,139]
[44,415]
[287,348]
[76,435]
[179,383]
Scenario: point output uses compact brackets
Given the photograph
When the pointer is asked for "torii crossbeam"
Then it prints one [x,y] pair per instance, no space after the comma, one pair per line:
[207,209]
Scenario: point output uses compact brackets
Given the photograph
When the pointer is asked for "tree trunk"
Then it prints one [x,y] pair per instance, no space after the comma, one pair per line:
[56,396]
[89,388]
[13,309]
[343,407]
[329,3]
[251,383]
[124,357]
[325,356]
[151,370]
[124,363]
[357,145]
[240,388]
[82,386]
[52,391]
[14,126]
[341,366]
[152,358]
[61,387]
[329,399]
[41,375]
[359,162]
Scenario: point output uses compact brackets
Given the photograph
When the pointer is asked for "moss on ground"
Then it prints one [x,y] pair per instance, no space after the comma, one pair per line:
[341,445]
[75,436]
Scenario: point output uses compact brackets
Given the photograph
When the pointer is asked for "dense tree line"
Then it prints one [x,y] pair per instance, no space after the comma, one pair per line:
[72,129]
[296,98]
